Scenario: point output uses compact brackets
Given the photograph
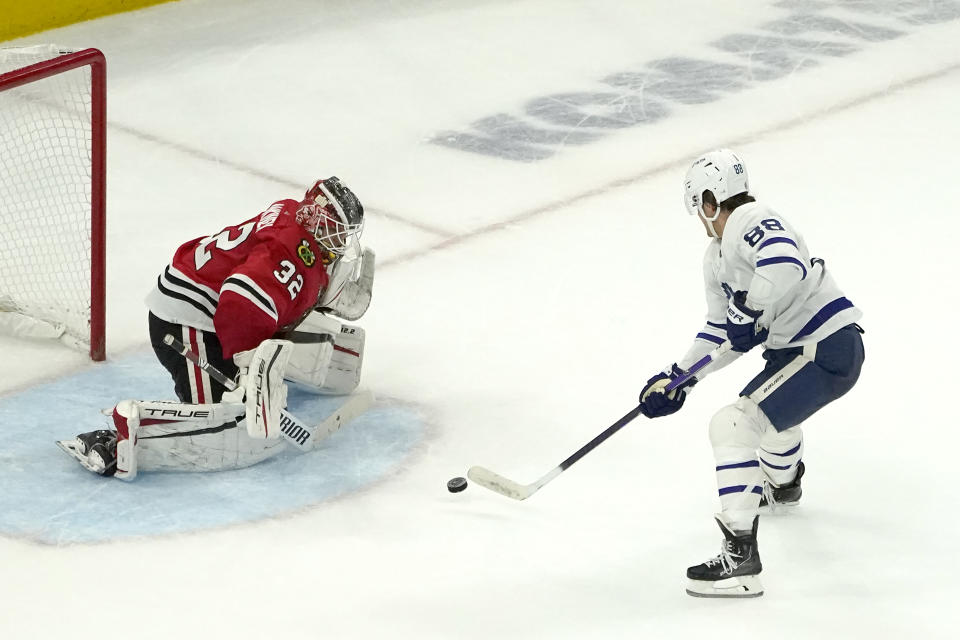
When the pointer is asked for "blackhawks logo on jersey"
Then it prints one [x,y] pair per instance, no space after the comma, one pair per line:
[306,253]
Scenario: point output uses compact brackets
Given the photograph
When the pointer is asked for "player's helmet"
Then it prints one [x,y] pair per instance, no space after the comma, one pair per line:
[332,213]
[721,172]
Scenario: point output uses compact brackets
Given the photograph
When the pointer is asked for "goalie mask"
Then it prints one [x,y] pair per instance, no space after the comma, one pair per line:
[333,214]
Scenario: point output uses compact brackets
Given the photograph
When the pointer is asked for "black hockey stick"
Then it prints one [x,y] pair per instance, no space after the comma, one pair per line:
[200,361]
[504,486]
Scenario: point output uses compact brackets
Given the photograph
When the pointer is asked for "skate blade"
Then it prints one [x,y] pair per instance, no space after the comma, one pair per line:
[739,587]
[70,447]
[769,509]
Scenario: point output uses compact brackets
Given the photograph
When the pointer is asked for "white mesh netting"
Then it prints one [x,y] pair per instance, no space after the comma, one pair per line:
[45,194]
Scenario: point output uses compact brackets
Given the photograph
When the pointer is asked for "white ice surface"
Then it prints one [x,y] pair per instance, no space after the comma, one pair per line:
[561,286]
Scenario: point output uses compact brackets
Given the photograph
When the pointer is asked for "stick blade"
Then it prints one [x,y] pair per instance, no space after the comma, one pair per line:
[497,483]
[355,405]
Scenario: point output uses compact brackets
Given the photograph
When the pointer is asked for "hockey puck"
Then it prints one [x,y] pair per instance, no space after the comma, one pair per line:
[456,485]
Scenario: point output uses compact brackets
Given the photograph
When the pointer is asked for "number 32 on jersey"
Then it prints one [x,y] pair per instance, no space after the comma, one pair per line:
[287,274]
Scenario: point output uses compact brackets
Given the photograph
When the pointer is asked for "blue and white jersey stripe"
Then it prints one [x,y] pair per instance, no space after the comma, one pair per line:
[713,332]
[764,262]
[777,240]
[777,246]
[761,253]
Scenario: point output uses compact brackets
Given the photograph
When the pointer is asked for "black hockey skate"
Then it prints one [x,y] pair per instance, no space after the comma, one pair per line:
[732,574]
[96,451]
[787,495]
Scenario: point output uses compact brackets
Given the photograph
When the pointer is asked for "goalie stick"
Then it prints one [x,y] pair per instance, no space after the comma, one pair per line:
[293,430]
[506,487]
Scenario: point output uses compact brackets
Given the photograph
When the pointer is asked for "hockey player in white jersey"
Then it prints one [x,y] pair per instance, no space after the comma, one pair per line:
[762,288]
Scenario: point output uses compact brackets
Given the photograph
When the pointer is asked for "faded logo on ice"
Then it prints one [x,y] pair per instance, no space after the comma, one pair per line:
[813,32]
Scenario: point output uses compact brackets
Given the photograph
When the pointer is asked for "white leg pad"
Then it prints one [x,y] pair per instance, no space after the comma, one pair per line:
[327,355]
[189,447]
[313,342]
[331,363]
[172,436]
[347,362]
[126,420]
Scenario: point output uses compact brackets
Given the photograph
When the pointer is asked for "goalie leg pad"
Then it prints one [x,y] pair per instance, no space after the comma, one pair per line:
[173,436]
[191,446]
[327,355]
[313,344]
[343,377]
[141,424]
[126,420]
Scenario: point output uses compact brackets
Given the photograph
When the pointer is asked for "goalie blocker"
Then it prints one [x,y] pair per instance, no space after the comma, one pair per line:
[261,387]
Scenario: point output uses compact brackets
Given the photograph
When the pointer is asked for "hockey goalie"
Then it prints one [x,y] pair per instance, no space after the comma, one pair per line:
[262,302]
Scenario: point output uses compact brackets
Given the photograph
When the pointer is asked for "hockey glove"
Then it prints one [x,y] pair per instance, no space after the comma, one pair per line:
[353,299]
[654,403]
[743,328]
[265,393]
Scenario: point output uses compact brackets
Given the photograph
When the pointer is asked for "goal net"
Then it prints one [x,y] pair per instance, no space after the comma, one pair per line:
[52,180]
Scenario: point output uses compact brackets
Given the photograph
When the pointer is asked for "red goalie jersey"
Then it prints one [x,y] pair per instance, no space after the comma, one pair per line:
[246,282]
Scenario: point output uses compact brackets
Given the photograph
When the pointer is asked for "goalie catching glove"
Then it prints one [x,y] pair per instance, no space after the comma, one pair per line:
[654,403]
[261,382]
[353,298]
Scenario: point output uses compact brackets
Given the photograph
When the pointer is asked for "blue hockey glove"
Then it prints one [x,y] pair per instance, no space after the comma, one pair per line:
[654,403]
[743,329]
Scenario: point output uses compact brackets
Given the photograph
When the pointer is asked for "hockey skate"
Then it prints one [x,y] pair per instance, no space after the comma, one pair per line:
[95,450]
[787,495]
[732,574]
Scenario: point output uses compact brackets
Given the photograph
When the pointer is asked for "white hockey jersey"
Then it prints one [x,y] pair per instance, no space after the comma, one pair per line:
[762,254]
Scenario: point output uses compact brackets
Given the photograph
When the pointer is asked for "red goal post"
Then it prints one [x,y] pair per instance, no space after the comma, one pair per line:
[53,194]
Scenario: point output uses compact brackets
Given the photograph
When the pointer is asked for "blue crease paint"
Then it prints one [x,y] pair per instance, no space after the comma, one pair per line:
[48,498]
